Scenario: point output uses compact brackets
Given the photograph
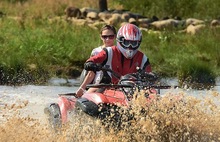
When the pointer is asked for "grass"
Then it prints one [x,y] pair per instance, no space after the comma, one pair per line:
[34,48]
[184,56]
[56,45]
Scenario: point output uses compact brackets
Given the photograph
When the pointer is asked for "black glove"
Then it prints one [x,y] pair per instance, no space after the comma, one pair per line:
[151,76]
[90,66]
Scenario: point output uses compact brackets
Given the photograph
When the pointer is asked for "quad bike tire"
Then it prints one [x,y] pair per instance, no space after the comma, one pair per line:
[54,116]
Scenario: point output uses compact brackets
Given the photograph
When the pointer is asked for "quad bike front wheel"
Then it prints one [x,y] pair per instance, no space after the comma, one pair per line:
[54,116]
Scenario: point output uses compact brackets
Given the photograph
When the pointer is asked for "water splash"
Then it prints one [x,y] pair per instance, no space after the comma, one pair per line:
[188,119]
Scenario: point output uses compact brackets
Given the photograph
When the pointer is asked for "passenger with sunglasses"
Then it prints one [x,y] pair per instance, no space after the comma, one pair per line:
[124,58]
[108,36]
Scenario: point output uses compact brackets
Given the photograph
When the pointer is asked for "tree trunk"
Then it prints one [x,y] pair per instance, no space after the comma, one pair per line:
[103,5]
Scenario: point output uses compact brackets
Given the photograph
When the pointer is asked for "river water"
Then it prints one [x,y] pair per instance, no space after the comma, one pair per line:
[23,119]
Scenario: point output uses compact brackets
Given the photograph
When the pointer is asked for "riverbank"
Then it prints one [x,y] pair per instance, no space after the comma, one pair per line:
[37,48]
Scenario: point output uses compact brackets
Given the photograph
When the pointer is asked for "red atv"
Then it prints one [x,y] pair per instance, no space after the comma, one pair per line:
[108,99]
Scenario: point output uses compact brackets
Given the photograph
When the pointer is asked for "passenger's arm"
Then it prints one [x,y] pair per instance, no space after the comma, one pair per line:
[87,80]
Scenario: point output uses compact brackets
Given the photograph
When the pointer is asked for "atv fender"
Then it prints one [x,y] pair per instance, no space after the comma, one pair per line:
[66,104]
[107,97]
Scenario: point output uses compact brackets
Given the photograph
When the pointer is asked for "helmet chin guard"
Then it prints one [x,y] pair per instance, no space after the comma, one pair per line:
[128,53]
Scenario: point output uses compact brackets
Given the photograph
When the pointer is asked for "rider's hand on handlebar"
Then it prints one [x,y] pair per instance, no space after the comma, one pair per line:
[90,66]
[151,76]
[79,92]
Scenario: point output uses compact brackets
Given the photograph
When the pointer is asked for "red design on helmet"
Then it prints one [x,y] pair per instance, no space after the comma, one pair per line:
[128,40]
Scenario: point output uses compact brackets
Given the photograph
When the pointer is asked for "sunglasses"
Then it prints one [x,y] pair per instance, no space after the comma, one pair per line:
[108,36]
[130,43]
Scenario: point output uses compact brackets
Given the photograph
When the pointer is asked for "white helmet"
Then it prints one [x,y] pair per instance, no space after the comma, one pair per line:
[128,40]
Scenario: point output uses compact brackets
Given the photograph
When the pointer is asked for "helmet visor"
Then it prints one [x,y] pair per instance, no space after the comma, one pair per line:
[130,44]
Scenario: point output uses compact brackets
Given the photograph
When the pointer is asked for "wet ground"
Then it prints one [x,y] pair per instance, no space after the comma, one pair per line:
[22,117]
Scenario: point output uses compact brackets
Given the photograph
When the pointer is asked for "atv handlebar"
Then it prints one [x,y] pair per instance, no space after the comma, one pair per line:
[140,74]
[109,86]
[128,86]
[109,70]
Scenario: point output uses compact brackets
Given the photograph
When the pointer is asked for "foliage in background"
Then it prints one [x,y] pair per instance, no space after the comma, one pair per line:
[195,74]
[42,8]
[190,58]
[203,9]
[41,46]
[34,48]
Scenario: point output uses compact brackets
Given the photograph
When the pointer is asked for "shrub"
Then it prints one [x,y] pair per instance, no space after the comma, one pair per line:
[196,75]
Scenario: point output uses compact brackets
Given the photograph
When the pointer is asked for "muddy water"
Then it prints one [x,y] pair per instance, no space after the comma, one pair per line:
[195,118]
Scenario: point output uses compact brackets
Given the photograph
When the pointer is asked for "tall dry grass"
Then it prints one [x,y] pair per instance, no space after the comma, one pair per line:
[41,8]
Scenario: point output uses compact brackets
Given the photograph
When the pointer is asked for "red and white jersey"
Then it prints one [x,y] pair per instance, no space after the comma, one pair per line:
[118,63]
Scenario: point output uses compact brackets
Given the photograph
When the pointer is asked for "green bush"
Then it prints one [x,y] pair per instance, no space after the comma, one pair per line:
[195,74]
[52,48]
[183,8]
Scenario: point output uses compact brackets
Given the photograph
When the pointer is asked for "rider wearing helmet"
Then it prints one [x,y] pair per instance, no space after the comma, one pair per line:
[124,58]
[128,40]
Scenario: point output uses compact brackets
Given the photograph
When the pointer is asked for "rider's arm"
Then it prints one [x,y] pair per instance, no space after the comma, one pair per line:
[148,68]
[88,79]
[99,58]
